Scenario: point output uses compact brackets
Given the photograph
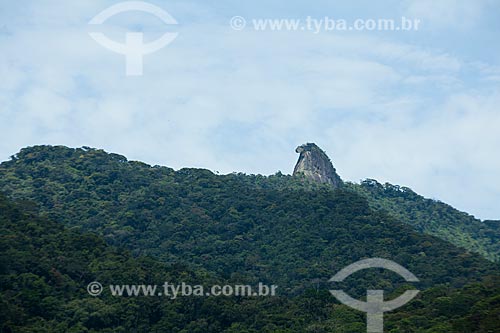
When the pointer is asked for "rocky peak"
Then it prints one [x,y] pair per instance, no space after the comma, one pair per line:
[315,165]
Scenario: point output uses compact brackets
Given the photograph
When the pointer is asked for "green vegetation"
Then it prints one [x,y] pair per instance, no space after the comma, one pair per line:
[433,217]
[121,222]
[475,308]
[44,270]
[246,227]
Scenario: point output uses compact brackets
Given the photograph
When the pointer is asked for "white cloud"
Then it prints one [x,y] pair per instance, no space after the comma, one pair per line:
[241,101]
[447,13]
[448,155]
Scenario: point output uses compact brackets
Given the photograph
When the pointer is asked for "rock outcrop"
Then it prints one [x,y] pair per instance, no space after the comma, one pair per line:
[315,165]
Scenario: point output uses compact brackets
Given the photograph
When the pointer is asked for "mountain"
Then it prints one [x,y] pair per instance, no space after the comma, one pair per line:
[274,229]
[45,268]
[433,217]
[83,215]
[424,215]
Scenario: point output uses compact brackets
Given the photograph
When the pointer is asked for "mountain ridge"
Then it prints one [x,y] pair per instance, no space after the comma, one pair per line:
[53,176]
[45,268]
[233,228]
[424,215]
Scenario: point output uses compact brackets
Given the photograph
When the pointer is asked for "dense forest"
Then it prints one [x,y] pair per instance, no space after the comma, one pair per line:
[433,217]
[82,215]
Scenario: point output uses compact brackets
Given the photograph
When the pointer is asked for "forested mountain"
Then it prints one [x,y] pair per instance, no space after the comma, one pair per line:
[24,177]
[45,268]
[269,229]
[234,228]
[433,217]
[424,215]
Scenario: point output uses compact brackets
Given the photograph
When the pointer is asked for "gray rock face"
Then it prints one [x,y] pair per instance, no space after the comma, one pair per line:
[315,165]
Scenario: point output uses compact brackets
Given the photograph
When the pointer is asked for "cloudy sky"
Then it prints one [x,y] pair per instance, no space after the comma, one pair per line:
[415,108]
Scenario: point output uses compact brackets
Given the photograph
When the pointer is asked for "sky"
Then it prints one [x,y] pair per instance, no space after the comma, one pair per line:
[416,108]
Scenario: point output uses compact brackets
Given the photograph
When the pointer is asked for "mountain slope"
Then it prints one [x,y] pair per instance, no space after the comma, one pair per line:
[253,228]
[433,217]
[233,228]
[45,269]
[426,216]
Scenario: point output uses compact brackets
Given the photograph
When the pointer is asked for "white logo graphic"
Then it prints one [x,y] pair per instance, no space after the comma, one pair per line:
[374,305]
[94,288]
[134,48]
